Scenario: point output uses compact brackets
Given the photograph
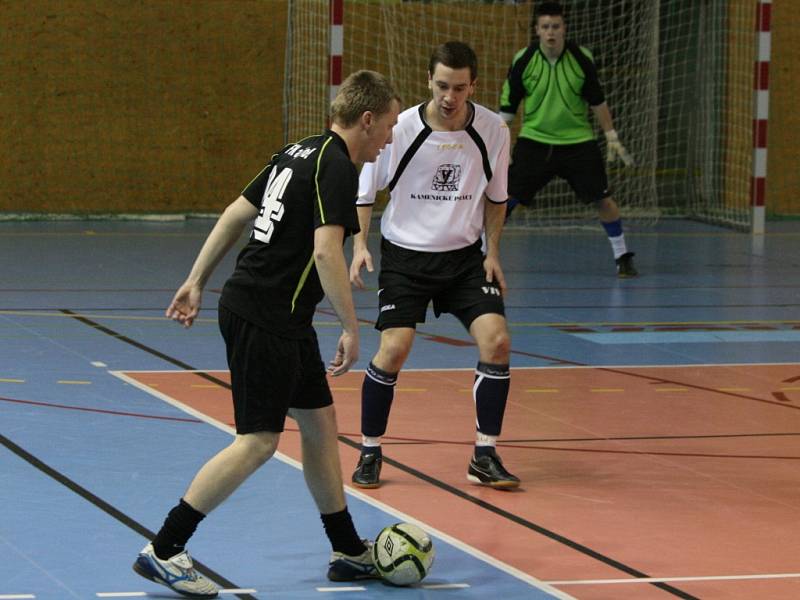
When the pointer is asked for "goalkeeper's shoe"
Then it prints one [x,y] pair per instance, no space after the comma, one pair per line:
[625,268]
[343,567]
[176,573]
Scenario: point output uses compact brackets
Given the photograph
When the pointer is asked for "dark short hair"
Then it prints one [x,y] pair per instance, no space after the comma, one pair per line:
[362,91]
[551,9]
[456,55]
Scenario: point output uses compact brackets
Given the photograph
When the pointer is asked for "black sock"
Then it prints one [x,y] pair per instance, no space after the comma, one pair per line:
[484,451]
[491,394]
[342,533]
[377,393]
[178,527]
[371,450]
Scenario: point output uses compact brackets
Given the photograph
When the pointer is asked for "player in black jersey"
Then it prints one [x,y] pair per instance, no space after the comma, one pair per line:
[302,206]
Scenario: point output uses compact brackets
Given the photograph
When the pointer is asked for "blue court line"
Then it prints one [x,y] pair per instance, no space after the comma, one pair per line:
[690,337]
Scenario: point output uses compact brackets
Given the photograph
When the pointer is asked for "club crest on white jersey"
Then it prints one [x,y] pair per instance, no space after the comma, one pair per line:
[447,178]
[437,180]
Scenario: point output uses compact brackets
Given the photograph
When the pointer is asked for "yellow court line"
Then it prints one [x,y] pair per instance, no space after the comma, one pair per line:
[656,323]
[344,389]
[205,385]
[36,313]
[91,232]
[670,389]
[29,313]
[73,382]
[790,389]
[607,390]
[12,381]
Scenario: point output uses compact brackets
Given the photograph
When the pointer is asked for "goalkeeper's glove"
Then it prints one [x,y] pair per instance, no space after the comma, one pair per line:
[614,149]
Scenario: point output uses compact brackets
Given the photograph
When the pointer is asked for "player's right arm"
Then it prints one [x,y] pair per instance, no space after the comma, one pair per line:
[185,304]
[513,90]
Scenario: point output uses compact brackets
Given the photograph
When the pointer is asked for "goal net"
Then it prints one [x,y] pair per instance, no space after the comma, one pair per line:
[677,77]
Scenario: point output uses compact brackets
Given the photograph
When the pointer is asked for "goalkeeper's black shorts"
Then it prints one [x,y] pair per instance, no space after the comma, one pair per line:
[535,164]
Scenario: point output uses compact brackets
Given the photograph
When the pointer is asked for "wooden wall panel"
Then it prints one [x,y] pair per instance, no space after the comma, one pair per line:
[146,107]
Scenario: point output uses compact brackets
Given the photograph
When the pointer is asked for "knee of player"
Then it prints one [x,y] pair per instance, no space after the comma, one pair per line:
[259,446]
[604,202]
[497,346]
[392,353]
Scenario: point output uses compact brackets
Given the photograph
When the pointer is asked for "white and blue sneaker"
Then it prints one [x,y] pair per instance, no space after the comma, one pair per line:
[343,567]
[177,573]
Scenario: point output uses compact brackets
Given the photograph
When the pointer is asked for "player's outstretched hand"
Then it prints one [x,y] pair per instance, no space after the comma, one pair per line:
[614,149]
[361,258]
[185,305]
[346,354]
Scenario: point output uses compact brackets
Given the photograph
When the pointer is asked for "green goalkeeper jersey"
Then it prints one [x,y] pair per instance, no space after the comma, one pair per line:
[555,97]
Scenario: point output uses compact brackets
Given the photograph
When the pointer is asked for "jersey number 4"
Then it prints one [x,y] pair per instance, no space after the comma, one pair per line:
[271,206]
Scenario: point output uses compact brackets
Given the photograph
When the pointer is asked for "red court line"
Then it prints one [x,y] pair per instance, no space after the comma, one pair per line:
[99,410]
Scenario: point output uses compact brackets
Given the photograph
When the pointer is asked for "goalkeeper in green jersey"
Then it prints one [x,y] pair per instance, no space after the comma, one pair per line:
[556,82]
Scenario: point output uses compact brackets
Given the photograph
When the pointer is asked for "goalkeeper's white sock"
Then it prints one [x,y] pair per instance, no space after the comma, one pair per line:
[615,237]
[618,245]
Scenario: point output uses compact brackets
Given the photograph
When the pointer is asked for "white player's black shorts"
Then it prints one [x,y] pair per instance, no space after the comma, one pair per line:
[535,164]
[270,374]
[455,281]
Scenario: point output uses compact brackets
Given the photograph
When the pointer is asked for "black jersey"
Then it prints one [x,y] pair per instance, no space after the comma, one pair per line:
[306,185]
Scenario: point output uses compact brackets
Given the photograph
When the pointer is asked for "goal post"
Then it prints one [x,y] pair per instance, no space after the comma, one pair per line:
[678,78]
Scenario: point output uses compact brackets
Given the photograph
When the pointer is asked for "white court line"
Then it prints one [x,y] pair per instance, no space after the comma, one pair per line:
[498,564]
[671,579]
[342,589]
[238,591]
[490,560]
[445,586]
[120,594]
[16,596]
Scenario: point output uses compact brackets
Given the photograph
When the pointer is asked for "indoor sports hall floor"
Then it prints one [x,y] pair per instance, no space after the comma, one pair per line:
[655,424]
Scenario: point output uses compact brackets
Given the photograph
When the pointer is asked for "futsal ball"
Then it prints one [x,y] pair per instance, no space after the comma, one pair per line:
[403,553]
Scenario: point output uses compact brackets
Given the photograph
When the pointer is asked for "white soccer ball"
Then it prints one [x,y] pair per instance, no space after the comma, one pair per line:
[403,553]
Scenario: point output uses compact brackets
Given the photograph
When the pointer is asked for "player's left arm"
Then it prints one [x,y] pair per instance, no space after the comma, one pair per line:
[592,91]
[614,147]
[332,269]
[494,215]
[335,215]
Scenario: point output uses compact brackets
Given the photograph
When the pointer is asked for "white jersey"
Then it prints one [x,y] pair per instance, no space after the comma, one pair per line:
[437,180]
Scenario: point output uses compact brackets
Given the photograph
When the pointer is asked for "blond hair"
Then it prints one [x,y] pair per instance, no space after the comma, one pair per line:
[362,91]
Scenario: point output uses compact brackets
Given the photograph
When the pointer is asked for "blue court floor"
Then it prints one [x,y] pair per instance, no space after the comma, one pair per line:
[89,464]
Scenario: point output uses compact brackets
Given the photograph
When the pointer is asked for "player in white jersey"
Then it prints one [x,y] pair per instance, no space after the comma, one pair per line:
[446,172]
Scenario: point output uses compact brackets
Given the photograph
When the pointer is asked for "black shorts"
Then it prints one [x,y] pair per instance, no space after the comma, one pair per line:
[270,374]
[455,281]
[534,164]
